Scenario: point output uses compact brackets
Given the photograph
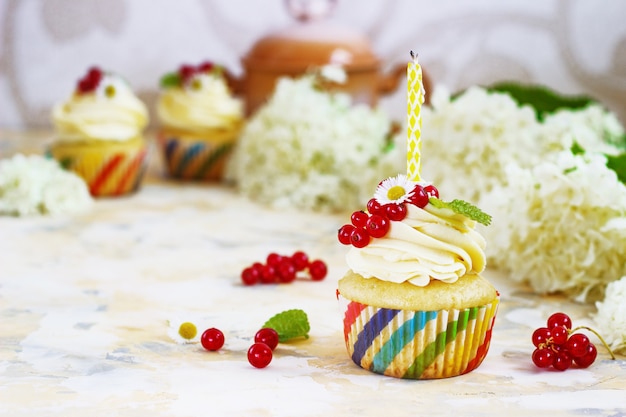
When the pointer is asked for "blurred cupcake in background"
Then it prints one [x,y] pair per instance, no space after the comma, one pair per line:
[99,134]
[200,122]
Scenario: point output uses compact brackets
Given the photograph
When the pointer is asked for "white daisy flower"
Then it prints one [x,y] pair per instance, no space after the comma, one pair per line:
[182,331]
[394,190]
[112,86]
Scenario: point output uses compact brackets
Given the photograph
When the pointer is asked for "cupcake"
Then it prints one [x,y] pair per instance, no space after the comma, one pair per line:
[414,303]
[200,121]
[99,134]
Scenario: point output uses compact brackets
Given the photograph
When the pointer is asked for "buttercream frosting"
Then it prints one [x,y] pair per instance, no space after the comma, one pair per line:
[111,113]
[430,243]
[203,103]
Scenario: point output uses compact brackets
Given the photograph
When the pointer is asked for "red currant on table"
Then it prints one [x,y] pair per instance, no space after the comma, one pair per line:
[559,346]
[286,271]
[318,270]
[212,339]
[273,259]
[300,260]
[268,336]
[259,355]
[559,319]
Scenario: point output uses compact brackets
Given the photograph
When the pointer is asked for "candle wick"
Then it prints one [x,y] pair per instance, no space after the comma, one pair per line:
[412,54]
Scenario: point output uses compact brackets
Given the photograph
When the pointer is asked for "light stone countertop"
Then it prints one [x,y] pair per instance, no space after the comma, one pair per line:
[85,301]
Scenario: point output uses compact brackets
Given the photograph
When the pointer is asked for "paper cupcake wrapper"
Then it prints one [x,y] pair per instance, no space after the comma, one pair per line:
[417,344]
[194,159]
[107,173]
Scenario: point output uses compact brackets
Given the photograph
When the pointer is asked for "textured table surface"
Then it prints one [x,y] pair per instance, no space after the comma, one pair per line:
[85,302]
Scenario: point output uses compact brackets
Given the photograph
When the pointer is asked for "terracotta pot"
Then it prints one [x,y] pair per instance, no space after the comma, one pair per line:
[314,43]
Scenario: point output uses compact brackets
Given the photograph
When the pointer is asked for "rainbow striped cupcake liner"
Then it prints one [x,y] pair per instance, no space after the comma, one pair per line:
[107,173]
[198,160]
[417,344]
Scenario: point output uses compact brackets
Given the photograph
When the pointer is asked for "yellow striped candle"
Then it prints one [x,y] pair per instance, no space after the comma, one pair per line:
[415,99]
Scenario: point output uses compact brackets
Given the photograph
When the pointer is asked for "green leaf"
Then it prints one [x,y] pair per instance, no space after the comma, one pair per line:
[171,79]
[618,164]
[542,99]
[464,208]
[290,324]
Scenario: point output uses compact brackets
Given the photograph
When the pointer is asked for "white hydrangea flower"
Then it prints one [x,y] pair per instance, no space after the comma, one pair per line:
[555,225]
[37,185]
[314,150]
[611,316]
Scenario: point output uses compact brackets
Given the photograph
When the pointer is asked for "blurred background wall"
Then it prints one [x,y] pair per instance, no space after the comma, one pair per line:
[574,46]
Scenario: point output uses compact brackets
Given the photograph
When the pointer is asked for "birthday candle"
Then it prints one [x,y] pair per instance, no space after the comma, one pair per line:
[415,99]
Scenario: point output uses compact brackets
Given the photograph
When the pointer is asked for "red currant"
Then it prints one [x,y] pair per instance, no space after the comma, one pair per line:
[273,259]
[559,319]
[577,345]
[259,355]
[360,238]
[318,270]
[268,275]
[432,191]
[206,66]
[419,197]
[541,336]
[250,276]
[374,207]
[543,357]
[344,233]
[300,260]
[396,212]
[588,358]
[286,271]
[377,225]
[212,339]
[268,336]
[559,335]
[562,361]
[359,218]
[185,72]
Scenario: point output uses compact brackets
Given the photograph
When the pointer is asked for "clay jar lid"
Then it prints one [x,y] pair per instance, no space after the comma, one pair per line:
[311,43]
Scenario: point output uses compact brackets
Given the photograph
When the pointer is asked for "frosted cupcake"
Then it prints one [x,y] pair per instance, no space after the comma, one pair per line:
[99,134]
[414,304]
[200,122]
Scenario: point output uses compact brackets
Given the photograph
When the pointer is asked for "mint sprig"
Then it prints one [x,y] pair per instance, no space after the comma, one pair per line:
[171,79]
[463,207]
[290,324]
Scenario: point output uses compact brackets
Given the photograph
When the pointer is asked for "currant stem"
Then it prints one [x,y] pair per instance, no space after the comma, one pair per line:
[599,337]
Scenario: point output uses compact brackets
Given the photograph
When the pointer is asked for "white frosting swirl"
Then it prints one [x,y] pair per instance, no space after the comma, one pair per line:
[111,113]
[205,104]
[430,243]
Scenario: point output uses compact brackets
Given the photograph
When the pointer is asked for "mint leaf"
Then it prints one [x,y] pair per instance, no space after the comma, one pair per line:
[464,208]
[290,324]
[542,99]
[171,79]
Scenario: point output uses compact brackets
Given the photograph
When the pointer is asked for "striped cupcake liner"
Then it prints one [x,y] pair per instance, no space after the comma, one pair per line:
[107,173]
[194,159]
[417,344]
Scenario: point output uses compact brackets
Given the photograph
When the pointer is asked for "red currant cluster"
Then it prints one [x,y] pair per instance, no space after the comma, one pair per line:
[283,269]
[186,71]
[259,354]
[90,81]
[558,345]
[365,226]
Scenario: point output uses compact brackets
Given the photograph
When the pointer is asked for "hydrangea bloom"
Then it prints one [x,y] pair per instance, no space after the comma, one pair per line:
[36,185]
[558,219]
[560,225]
[311,149]
[611,316]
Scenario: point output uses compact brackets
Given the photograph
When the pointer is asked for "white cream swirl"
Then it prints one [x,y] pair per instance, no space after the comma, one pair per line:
[111,113]
[430,243]
[205,104]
